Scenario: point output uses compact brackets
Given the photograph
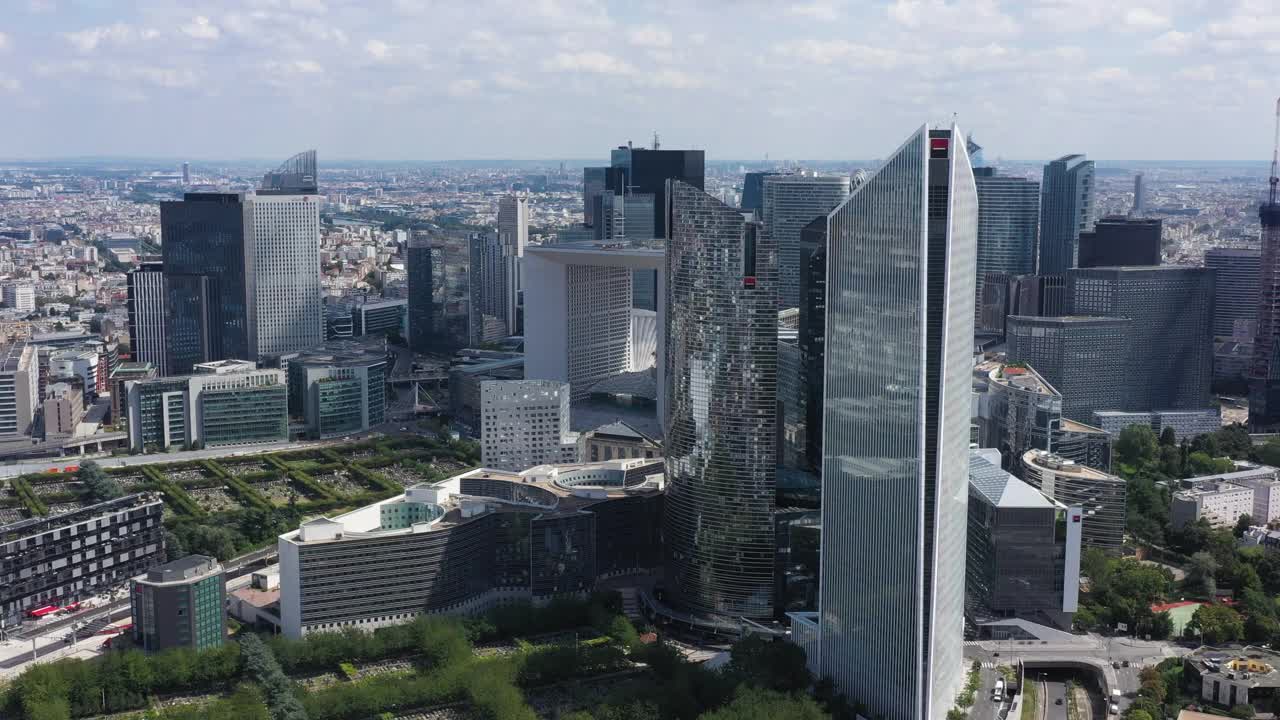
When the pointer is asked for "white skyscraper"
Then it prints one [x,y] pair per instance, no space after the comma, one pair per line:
[513,236]
[282,238]
[20,297]
[524,423]
[899,335]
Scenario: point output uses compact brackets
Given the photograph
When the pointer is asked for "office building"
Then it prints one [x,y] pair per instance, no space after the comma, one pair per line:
[81,554]
[76,364]
[283,249]
[1264,371]
[790,203]
[647,170]
[900,268]
[1169,347]
[1025,412]
[20,297]
[1008,226]
[524,423]
[1018,564]
[295,176]
[19,389]
[467,543]
[467,372]
[1084,358]
[513,236]
[1265,483]
[618,441]
[379,318]
[420,306]
[593,184]
[338,322]
[1186,424]
[624,216]
[1229,678]
[721,408]
[63,408]
[579,311]
[1101,495]
[753,192]
[1083,444]
[227,402]
[207,280]
[1213,500]
[1066,210]
[1139,198]
[494,282]
[440,300]
[124,373]
[1235,288]
[1117,240]
[811,336]
[339,388]
[180,604]
[186,173]
[1039,296]
[146,307]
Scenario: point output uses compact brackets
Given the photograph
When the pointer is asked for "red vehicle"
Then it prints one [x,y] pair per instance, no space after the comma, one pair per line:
[116,630]
[42,611]
[71,468]
[70,608]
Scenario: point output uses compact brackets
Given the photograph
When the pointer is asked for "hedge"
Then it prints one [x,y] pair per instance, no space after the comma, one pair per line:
[23,490]
[245,491]
[178,497]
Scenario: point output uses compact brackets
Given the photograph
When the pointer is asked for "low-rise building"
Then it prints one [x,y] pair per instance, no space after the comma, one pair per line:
[57,560]
[339,388]
[1186,424]
[181,603]
[227,402]
[379,317]
[463,544]
[617,441]
[63,408]
[1227,678]
[120,377]
[1219,503]
[468,370]
[1102,496]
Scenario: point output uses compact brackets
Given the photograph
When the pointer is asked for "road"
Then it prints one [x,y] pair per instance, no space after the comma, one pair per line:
[107,461]
[984,707]
[1055,699]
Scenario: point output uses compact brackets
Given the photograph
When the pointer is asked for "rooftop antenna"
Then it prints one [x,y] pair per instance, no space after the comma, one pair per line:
[656,144]
[1275,156]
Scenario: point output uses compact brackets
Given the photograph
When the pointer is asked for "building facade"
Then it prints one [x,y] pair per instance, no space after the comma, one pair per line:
[1008,226]
[1216,502]
[721,407]
[379,318]
[1082,357]
[1117,240]
[339,388]
[146,307]
[20,297]
[1264,371]
[524,423]
[901,262]
[1186,424]
[120,377]
[19,389]
[1235,289]
[60,559]
[180,604]
[228,402]
[1066,210]
[283,251]
[790,203]
[1101,495]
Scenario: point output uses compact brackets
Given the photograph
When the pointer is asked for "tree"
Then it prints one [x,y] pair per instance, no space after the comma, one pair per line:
[1242,524]
[96,486]
[1245,712]
[1217,623]
[770,664]
[1136,445]
[1200,575]
[757,704]
[1168,437]
[1139,715]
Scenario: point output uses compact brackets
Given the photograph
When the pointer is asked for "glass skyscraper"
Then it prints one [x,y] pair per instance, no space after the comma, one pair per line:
[790,203]
[900,298]
[1066,209]
[721,354]
[1235,295]
[1008,225]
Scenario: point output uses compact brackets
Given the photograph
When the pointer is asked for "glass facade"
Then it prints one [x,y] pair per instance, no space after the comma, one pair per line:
[250,414]
[900,309]
[1008,226]
[790,203]
[722,354]
[341,405]
[1066,209]
[1081,357]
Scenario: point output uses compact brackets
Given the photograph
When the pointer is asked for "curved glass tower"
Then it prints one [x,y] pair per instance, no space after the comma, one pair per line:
[900,284]
[722,355]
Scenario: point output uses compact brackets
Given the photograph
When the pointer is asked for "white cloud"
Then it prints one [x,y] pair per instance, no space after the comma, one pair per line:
[589,61]
[9,84]
[295,67]
[507,81]
[1249,19]
[650,36]
[817,10]
[1110,74]
[1140,18]
[117,34]
[201,29]
[829,52]
[317,7]
[168,78]
[673,79]
[1201,73]
[979,17]
[1172,42]
[461,87]
[4,41]
[378,49]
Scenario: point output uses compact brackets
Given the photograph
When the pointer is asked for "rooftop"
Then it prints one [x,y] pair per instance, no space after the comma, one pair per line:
[11,356]
[1002,489]
[1063,466]
[191,567]
[1251,665]
[1021,377]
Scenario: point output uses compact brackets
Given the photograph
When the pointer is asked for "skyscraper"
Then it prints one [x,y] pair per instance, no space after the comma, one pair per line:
[186,173]
[513,233]
[900,308]
[644,170]
[1117,240]
[1084,358]
[494,285]
[753,192]
[790,203]
[812,333]
[1235,294]
[1139,197]
[282,233]
[1008,225]
[418,271]
[593,183]
[1264,371]
[1066,209]
[721,409]
[207,279]
[147,314]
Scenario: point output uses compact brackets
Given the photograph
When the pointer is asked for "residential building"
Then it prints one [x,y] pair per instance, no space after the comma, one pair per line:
[379,318]
[339,388]
[146,307]
[228,402]
[76,364]
[19,389]
[720,417]
[63,408]
[1265,483]
[1066,210]
[467,372]
[1186,424]
[790,203]
[1082,357]
[180,604]
[1008,226]
[467,543]
[1235,288]
[1219,503]
[524,423]
[1118,240]
[900,266]
[1168,349]
[1101,495]
[1018,563]
[618,441]
[120,377]
[80,554]
[20,297]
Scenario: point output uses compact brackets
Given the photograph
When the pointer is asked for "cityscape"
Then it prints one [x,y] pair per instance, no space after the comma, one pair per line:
[651,429]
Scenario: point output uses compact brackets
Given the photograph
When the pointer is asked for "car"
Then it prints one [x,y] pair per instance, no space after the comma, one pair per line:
[1115,664]
[1125,663]
[1058,701]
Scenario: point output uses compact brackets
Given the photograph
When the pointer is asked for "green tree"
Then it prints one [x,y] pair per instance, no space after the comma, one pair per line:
[1243,523]
[1136,445]
[1168,437]
[775,665]
[758,704]
[1199,463]
[95,485]
[1245,712]
[1138,715]
[1269,454]
[1201,574]
[1217,623]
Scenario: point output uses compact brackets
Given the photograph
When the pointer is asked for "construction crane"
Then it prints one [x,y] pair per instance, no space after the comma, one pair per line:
[1275,158]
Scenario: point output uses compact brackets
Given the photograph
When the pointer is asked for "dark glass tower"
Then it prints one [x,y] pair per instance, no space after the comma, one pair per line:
[641,170]
[1264,371]
[753,191]
[207,278]
[1236,287]
[1008,225]
[1121,241]
[1066,210]
[418,269]
[813,321]
[721,459]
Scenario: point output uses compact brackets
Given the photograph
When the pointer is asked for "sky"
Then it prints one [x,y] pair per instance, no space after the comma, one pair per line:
[741,79]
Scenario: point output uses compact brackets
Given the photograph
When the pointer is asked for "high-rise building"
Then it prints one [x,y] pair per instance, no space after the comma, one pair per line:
[418,269]
[19,389]
[812,333]
[186,173]
[1066,210]
[1139,198]
[207,280]
[721,407]
[1100,495]
[593,183]
[180,604]
[282,233]
[1235,289]
[495,285]
[1117,240]
[790,203]
[1084,358]
[146,290]
[524,423]
[124,373]
[439,289]
[1169,347]
[1008,226]
[753,192]
[646,171]
[1264,371]
[624,217]
[513,234]
[20,297]
[899,342]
